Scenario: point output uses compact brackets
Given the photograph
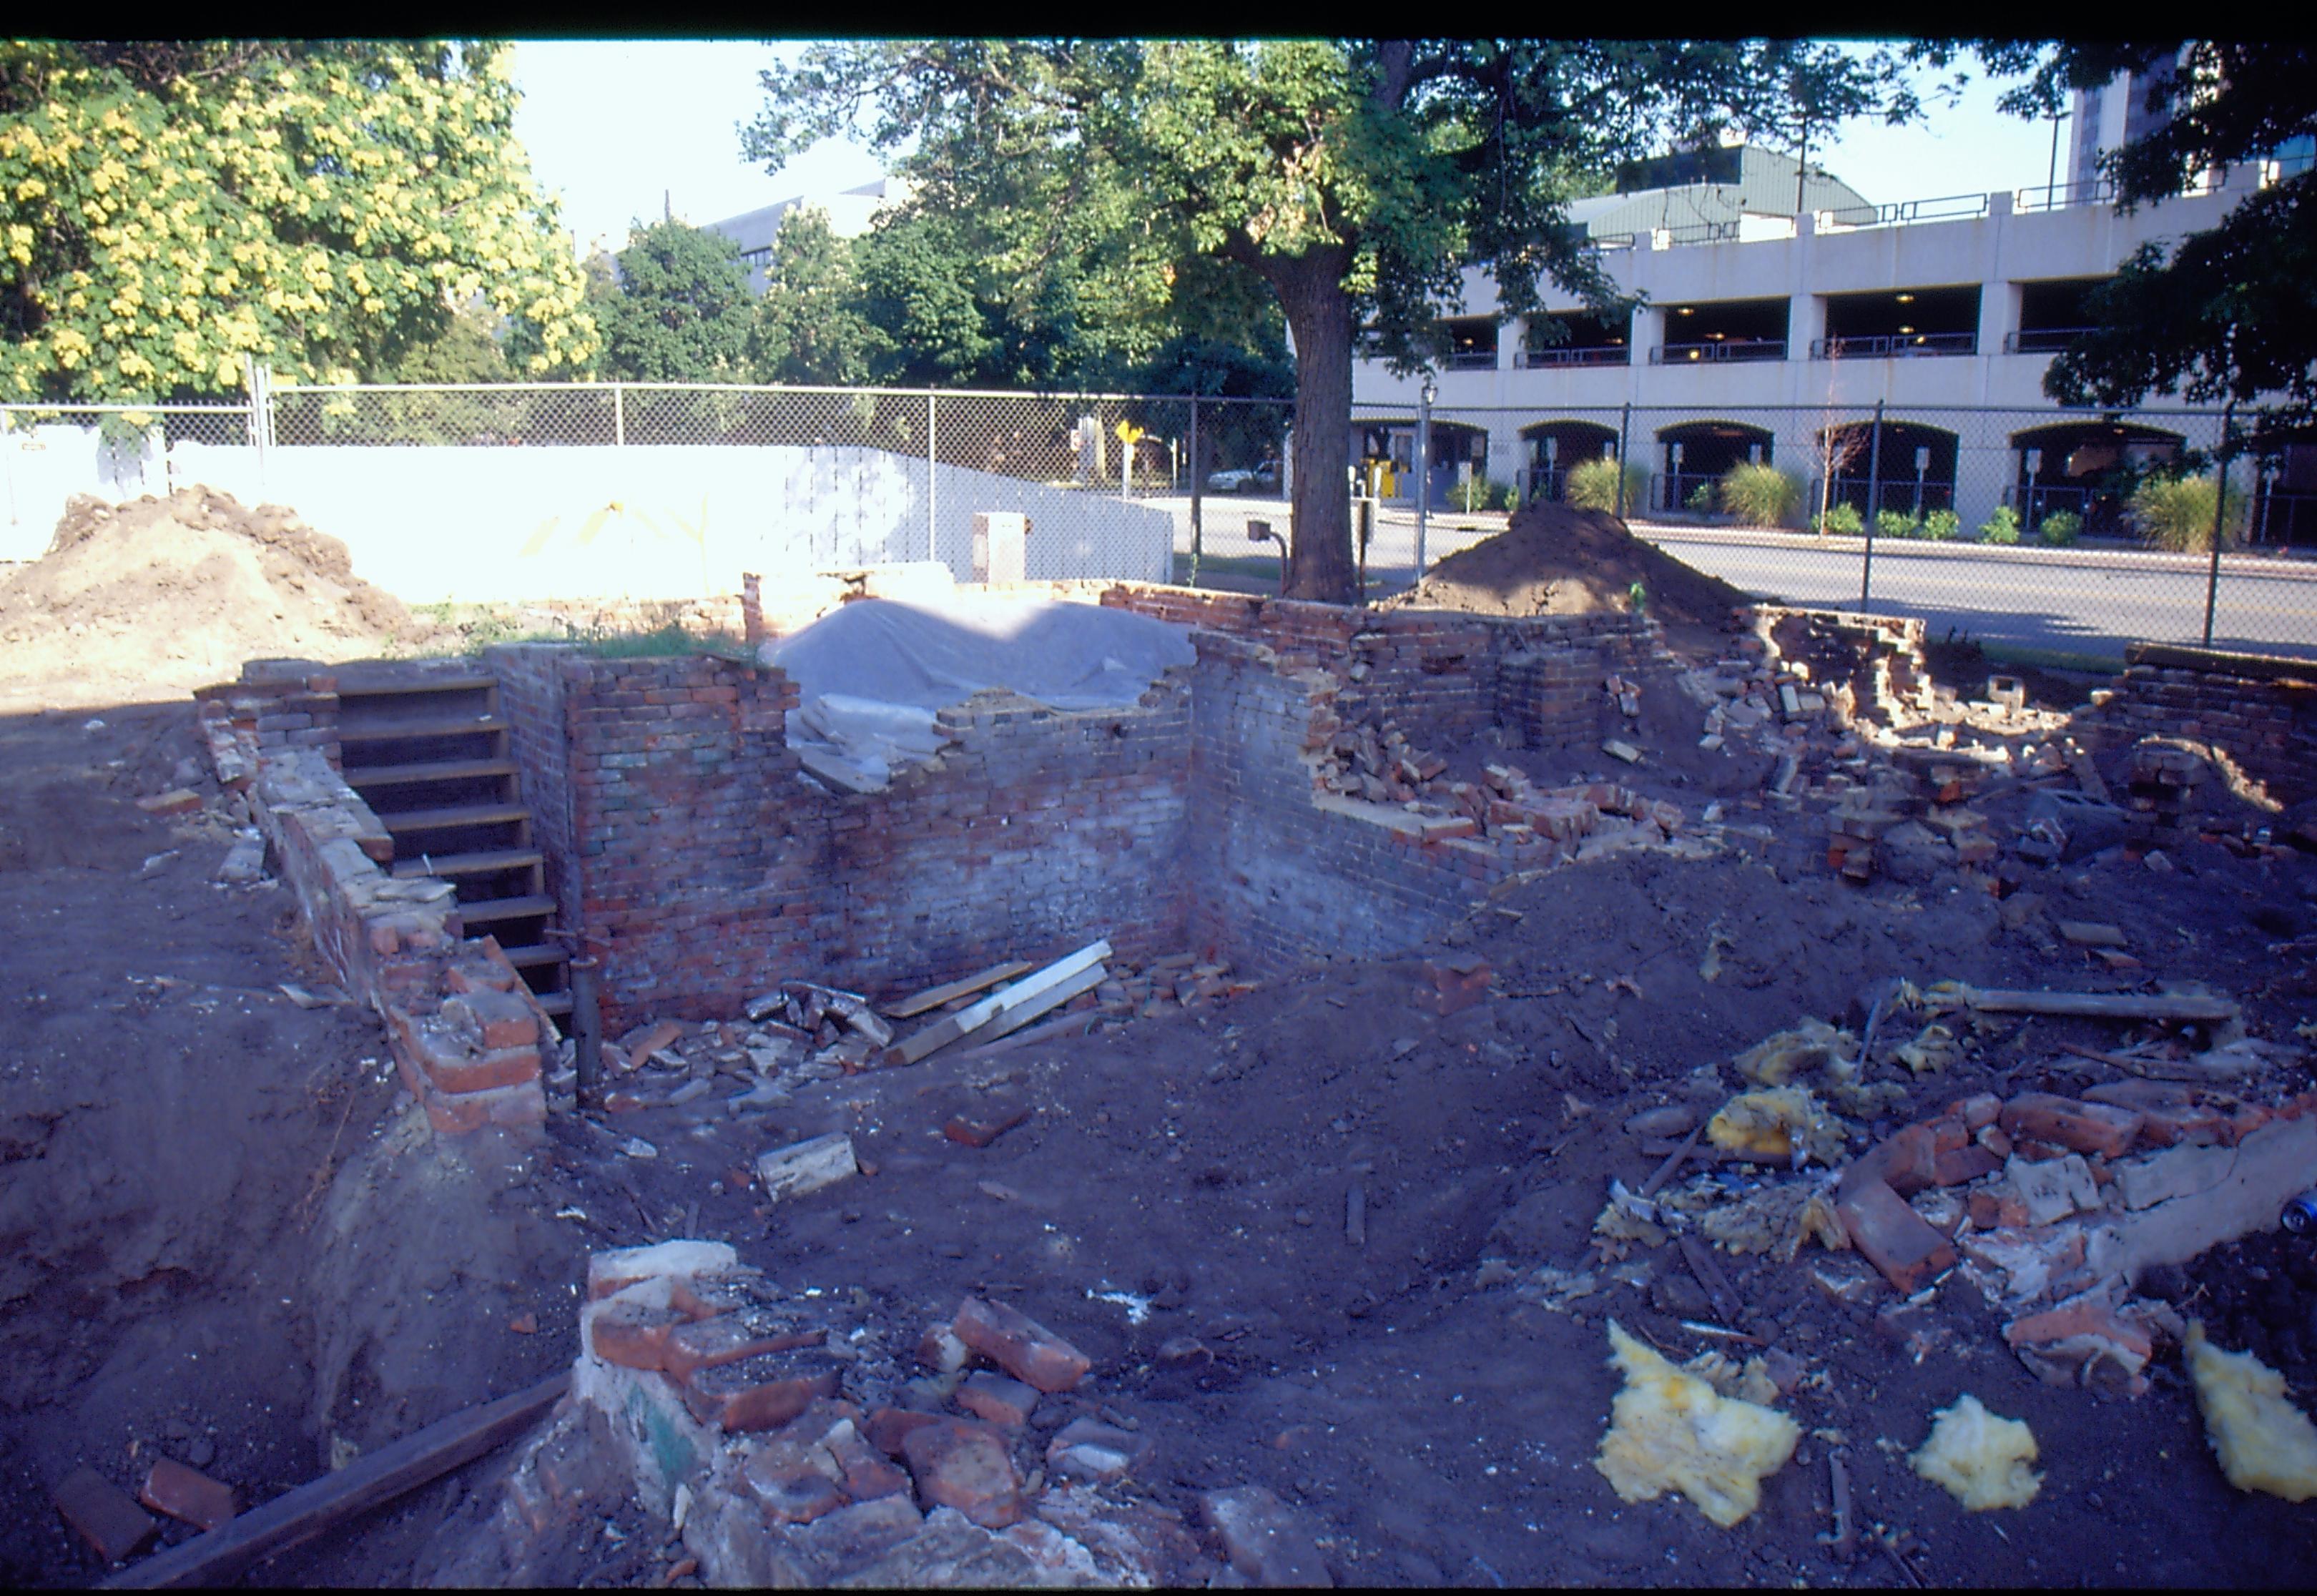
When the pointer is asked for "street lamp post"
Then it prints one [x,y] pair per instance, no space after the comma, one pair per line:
[1430,392]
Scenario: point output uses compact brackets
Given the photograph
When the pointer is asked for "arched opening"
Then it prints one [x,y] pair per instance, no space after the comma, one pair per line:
[1697,453]
[2086,468]
[1549,449]
[1384,450]
[1912,475]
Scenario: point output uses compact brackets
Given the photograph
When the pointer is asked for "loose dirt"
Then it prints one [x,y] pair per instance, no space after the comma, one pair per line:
[148,600]
[1555,560]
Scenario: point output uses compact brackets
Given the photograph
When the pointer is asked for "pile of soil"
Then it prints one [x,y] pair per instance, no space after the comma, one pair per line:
[146,600]
[1556,560]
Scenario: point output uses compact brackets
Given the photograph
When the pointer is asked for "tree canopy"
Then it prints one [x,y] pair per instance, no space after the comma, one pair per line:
[684,311]
[168,208]
[810,326]
[2227,314]
[1354,180]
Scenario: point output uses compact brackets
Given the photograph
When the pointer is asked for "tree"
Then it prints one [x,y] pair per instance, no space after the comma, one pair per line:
[810,328]
[684,312]
[2229,314]
[1354,179]
[168,208]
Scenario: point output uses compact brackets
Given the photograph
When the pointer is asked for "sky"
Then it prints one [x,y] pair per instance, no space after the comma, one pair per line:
[621,130]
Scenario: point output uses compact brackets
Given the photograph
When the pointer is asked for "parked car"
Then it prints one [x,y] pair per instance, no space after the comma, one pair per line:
[1266,476]
[1228,482]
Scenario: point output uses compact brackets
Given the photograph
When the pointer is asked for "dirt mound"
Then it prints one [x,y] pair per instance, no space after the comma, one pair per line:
[150,599]
[1555,560]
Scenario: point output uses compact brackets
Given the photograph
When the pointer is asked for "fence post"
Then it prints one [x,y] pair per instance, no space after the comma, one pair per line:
[619,416]
[932,471]
[1423,468]
[1873,502]
[2220,512]
[1197,482]
[1624,435]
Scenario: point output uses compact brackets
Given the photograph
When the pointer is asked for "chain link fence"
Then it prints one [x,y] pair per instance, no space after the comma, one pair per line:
[2035,531]
[2038,532]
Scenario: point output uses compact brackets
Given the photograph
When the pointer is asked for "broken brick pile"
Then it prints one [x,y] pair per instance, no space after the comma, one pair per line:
[2057,1205]
[787,1440]
[2255,714]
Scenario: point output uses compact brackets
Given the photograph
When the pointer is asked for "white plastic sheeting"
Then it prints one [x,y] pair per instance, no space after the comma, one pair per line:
[871,674]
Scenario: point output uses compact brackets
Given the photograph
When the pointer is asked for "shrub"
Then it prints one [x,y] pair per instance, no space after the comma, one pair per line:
[1940,526]
[1593,486]
[1841,518]
[1701,498]
[2177,514]
[2002,527]
[2060,528]
[1897,524]
[1760,494]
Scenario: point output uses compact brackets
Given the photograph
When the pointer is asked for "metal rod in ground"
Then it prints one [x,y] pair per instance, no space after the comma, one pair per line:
[1873,504]
[2220,509]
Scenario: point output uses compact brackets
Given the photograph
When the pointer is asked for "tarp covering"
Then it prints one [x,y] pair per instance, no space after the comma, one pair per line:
[871,674]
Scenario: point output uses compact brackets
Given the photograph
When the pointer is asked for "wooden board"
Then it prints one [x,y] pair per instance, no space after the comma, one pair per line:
[2103,1005]
[1046,1002]
[933,997]
[942,1033]
[297,1516]
[1068,1025]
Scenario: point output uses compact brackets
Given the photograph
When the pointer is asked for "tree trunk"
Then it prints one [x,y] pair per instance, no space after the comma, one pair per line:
[1319,308]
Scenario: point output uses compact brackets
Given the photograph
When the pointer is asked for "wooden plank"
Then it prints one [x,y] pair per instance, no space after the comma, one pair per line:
[1014,1019]
[1068,1025]
[933,997]
[2103,1005]
[942,1033]
[297,1516]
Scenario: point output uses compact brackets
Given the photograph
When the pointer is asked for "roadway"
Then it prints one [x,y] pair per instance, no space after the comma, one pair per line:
[2085,601]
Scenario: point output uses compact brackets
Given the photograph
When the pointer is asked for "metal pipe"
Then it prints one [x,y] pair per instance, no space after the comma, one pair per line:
[1197,482]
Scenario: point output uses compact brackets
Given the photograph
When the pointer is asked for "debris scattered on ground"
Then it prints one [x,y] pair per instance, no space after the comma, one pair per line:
[1982,1459]
[2263,1442]
[1670,1430]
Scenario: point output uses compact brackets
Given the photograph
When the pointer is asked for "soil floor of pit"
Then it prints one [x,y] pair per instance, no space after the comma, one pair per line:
[228,1237]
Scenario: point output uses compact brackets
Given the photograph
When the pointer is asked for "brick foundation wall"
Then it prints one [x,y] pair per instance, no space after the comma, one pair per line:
[1878,658]
[2258,709]
[1292,875]
[531,677]
[713,865]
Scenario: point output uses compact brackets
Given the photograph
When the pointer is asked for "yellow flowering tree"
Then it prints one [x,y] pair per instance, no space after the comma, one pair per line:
[166,209]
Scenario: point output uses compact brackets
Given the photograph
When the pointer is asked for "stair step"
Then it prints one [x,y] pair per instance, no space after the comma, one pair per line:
[557,1004]
[444,770]
[469,864]
[438,725]
[535,956]
[461,814]
[505,908]
[358,684]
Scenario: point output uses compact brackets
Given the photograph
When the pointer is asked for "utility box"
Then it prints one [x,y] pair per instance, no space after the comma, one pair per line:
[1001,546]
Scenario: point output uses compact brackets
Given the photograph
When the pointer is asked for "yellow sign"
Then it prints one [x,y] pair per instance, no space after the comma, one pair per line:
[1128,433]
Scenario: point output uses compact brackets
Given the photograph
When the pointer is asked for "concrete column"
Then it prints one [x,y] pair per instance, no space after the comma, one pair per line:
[1805,322]
[1649,332]
[1999,317]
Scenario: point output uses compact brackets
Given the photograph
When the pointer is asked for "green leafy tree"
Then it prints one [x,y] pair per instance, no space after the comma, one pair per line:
[1355,180]
[683,313]
[810,328]
[168,208]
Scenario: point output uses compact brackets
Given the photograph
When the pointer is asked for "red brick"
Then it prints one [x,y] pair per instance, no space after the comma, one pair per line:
[1002,1401]
[886,1428]
[1960,1165]
[501,1019]
[180,800]
[634,1336]
[2080,1127]
[760,1393]
[478,974]
[1893,1236]
[980,1130]
[788,1487]
[1998,1211]
[964,1466]
[706,1343]
[865,1474]
[1020,1345]
[1091,1450]
[181,1492]
[1978,1111]
[697,1300]
[103,1514]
